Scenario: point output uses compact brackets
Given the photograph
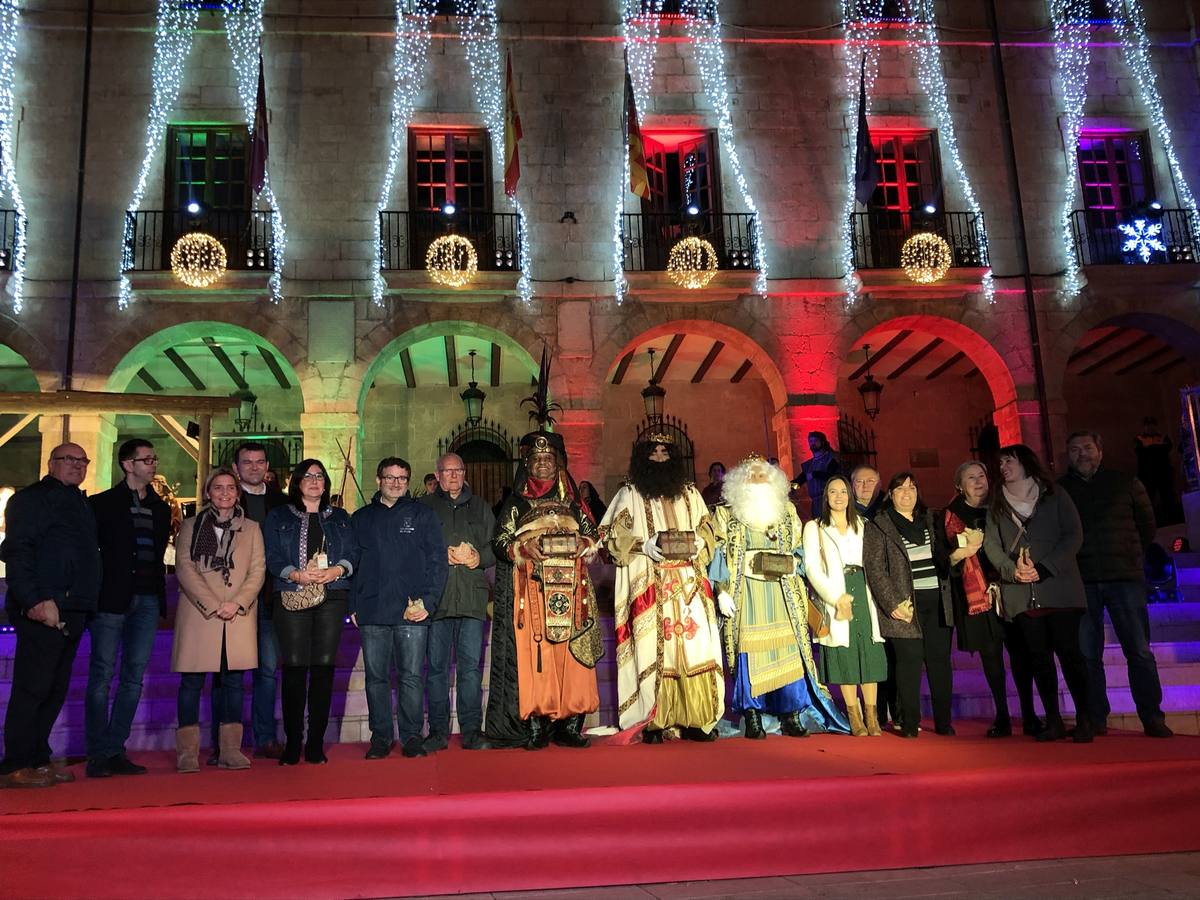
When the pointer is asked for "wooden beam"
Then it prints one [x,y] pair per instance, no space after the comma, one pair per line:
[406,362]
[944,366]
[1179,360]
[16,429]
[59,403]
[667,358]
[226,363]
[972,373]
[179,435]
[276,369]
[193,379]
[1117,354]
[203,463]
[451,360]
[915,358]
[1095,345]
[741,372]
[622,367]
[1156,353]
[496,365]
[717,347]
[887,348]
[149,380]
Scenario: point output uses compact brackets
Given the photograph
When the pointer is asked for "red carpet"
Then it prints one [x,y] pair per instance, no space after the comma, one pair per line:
[462,822]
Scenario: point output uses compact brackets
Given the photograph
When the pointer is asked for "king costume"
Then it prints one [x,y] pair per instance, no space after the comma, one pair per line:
[667,632]
[765,603]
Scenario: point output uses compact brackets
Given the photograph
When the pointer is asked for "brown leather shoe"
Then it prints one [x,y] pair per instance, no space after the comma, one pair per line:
[31,778]
[61,773]
[269,750]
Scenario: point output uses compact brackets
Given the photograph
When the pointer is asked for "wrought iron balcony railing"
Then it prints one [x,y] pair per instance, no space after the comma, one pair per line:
[246,236]
[878,235]
[1113,237]
[9,220]
[649,237]
[405,236]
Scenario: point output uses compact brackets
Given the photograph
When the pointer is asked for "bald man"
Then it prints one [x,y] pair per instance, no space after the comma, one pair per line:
[53,572]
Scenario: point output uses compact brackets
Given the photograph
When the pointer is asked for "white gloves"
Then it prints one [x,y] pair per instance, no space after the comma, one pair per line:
[726,605]
[650,548]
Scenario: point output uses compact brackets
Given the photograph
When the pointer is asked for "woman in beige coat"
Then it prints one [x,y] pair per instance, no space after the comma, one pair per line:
[221,566]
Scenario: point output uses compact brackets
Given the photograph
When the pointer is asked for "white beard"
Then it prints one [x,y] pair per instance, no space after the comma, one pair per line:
[758,505]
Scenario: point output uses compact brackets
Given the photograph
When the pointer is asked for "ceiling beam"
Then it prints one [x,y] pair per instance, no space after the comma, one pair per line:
[667,358]
[451,360]
[226,363]
[496,365]
[193,379]
[741,372]
[1179,360]
[60,403]
[915,358]
[946,365]
[1117,354]
[717,347]
[887,348]
[276,369]
[972,373]
[1096,344]
[1158,353]
[149,380]
[406,362]
[622,368]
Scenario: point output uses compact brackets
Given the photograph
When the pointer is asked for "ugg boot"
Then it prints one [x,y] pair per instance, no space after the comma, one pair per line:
[873,728]
[231,747]
[187,748]
[857,728]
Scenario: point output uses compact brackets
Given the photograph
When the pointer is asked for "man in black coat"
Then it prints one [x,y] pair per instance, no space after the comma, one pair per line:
[133,525]
[1118,524]
[53,574]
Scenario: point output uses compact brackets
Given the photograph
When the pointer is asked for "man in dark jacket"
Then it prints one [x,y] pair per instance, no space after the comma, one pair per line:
[1118,524]
[53,573]
[468,527]
[400,578]
[133,525]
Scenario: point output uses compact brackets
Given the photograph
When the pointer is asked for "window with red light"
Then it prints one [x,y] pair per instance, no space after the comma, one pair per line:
[681,168]
[449,167]
[910,177]
[1114,170]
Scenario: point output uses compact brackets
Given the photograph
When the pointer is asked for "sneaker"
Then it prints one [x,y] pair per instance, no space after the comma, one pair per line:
[378,750]
[120,764]
[413,748]
[435,742]
[1158,730]
[98,768]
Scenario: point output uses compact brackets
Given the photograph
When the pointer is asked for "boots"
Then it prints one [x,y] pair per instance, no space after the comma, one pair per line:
[857,728]
[231,747]
[539,733]
[754,726]
[320,696]
[568,732]
[872,722]
[791,726]
[187,748]
[293,692]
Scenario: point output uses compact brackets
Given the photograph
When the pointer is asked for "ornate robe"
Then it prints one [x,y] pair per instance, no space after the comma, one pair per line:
[668,640]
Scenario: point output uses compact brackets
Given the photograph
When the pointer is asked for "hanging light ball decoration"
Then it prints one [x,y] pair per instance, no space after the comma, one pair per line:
[451,260]
[198,259]
[692,263]
[926,258]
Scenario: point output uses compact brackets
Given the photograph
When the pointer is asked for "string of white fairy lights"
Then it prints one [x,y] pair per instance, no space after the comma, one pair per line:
[10,16]
[1072,53]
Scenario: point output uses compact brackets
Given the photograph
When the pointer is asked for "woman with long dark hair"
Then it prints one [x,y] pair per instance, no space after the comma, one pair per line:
[1033,533]
[311,551]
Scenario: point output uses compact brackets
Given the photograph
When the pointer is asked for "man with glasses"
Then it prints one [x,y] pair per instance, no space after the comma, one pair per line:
[133,525]
[399,580]
[468,527]
[53,574]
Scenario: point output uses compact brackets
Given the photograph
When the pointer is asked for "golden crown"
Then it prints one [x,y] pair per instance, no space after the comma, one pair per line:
[660,437]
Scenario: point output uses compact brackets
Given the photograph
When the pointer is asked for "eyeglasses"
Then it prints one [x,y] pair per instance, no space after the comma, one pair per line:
[75,460]
[452,471]
[313,476]
[392,479]
[148,460]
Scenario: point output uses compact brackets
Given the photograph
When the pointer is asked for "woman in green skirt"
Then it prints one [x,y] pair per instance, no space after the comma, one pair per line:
[852,652]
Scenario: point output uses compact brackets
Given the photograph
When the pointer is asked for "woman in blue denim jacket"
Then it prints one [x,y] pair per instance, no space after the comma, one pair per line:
[311,552]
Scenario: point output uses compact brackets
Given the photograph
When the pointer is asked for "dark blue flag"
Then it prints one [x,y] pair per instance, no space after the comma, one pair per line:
[866,167]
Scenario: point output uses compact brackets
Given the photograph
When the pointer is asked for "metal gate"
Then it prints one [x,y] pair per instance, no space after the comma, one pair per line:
[676,429]
[855,444]
[489,455]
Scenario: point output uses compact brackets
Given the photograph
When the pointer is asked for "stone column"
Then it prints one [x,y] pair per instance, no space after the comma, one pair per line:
[582,430]
[805,413]
[323,432]
[96,434]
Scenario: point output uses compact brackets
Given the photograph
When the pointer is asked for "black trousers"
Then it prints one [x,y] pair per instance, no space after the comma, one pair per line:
[41,676]
[310,686]
[1056,634]
[932,652]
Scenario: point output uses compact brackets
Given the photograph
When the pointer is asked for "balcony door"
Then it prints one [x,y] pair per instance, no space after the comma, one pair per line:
[910,180]
[1115,179]
[449,167]
[681,170]
[206,165]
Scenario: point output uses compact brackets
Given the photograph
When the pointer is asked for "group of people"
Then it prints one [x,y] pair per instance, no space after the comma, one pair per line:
[713,593]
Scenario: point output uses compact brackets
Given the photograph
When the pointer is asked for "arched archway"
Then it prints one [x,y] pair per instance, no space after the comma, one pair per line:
[21,456]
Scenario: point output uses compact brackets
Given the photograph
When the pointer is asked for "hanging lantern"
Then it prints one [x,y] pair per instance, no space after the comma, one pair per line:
[692,263]
[198,259]
[926,258]
[473,397]
[870,389]
[451,260]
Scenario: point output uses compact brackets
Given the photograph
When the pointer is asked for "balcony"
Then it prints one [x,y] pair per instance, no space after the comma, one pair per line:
[8,238]
[877,236]
[405,236]
[245,235]
[647,238]
[1113,237]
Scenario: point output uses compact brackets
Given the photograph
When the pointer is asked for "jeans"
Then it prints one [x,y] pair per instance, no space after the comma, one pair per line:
[191,686]
[263,704]
[465,635]
[41,674]
[132,633]
[404,646]
[1126,605]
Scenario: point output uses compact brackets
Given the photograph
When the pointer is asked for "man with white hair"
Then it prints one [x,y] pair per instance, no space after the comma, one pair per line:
[757,572]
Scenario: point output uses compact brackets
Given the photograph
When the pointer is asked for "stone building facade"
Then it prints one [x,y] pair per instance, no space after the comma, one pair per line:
[746,372]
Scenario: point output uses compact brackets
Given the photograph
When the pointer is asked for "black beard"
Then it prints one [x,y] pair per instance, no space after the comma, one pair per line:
[656,480]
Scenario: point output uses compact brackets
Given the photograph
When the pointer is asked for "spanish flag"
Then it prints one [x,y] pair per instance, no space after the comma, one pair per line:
[638,181]
[512,133]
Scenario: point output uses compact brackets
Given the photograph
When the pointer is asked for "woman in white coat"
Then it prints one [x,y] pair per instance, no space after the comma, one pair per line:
[852,652]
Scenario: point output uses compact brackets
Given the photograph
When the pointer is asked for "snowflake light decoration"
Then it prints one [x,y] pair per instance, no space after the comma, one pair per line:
[1142,238]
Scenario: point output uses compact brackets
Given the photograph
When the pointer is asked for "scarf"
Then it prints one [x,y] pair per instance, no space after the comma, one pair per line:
[1023,503]
[914,532]
[208,550]
[973,581]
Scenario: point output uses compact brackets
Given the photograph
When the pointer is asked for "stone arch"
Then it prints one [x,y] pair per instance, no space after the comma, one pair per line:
[15,336]
[20,456]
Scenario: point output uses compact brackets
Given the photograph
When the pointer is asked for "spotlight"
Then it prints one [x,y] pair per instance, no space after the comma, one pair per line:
[693,209]
[1155,205]
[930,209]
[569,216]
[193,207]
[448,209]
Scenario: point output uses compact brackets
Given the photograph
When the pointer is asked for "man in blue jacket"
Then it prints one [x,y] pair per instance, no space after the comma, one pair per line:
[401,574]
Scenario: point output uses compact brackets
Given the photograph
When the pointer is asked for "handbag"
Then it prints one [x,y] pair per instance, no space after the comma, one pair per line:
[818,619]
[309,595]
